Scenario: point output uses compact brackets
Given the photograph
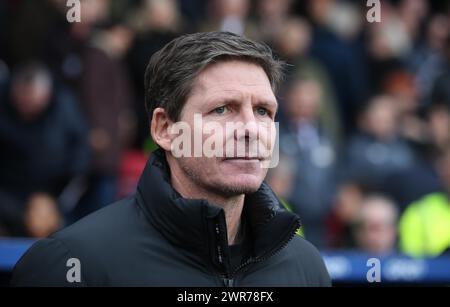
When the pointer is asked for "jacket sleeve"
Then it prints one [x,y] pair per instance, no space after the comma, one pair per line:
[47,263]
[322,277]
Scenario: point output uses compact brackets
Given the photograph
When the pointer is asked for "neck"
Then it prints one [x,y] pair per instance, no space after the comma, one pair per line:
[231,205]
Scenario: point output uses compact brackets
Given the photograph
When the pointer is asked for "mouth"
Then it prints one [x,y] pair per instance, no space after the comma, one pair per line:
[246,158]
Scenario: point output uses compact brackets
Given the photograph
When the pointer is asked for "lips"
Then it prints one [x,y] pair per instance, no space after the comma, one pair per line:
[243,158]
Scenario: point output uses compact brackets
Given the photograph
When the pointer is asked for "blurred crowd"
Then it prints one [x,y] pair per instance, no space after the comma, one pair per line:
[364,112]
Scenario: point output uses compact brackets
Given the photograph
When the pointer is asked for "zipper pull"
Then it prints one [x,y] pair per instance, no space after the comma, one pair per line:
[228,282]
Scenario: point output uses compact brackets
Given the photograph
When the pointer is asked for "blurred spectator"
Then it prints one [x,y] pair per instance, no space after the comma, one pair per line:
[389,39]
[106,100]
[89,55]
[427,60]
[344,214]
[401,86]
[426,138]
[308,145]
[293,40]
[342,54]
[377,151]
[271,15]
[156,15]
[159,23]
[42,136]
[376,230]
[231,16]
[418,179]
[411,13]
[425,224]
[293,47]
[342,17]
[42,133]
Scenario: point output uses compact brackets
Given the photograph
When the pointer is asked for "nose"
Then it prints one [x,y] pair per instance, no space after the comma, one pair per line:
[248,130]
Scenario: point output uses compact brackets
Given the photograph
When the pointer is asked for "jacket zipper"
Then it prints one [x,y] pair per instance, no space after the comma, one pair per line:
[228,280]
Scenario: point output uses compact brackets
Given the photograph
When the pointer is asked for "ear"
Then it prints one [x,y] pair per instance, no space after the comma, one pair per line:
[160,128]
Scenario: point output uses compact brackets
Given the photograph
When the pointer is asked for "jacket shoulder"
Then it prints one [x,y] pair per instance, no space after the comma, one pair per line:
[91,241]
[101,224]
[45,264]
[310,260]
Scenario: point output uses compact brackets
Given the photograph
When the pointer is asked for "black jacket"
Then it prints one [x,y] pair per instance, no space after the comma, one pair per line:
[158,238]
[45,153]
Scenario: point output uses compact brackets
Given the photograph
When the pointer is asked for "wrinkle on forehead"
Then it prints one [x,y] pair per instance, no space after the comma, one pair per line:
[239,79]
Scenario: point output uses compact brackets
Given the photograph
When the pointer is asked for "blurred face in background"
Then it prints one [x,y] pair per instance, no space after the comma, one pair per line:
[439,126]
[380,119]
[294,38]
[236,8]
[304,100]
[438,31]
[273,9]
[412,12]
[93,12]
[320,10]
[31,96]
[348,202]
[161,14]
[377,225]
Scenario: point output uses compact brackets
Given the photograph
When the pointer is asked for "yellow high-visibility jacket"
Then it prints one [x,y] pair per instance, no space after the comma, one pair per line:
[424,227]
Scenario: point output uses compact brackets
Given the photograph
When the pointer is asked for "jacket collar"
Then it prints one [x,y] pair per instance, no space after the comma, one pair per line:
[199,227]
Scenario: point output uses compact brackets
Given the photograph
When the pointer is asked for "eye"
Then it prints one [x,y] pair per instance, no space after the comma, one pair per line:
[262,111]
[220,110]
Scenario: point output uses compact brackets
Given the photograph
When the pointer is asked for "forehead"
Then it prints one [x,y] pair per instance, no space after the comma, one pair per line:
[233,77]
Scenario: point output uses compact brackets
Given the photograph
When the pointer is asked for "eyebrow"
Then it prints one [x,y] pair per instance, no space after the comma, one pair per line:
[260,102]
[268,104]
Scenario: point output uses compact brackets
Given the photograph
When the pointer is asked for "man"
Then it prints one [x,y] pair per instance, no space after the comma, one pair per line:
[194,221]
[376,230]
[43,150]
[424,226]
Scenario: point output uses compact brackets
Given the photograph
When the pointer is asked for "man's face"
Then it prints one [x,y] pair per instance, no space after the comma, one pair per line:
[225,94]
[30,99]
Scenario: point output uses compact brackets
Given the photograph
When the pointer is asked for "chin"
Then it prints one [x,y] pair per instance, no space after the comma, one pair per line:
[242,184]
